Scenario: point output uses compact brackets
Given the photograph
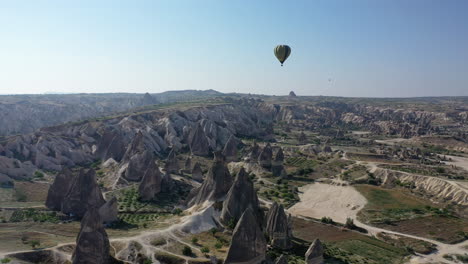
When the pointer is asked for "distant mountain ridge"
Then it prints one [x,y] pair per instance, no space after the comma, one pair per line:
[20,114]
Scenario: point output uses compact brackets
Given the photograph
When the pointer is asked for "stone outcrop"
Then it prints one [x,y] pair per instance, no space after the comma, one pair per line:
[15,169]
[292,94]
[216,184]
[151,183]
[278,227]
[132,253]
[314,254]
[254,152]
[109,211]
[188,165]
[230,149]
[172,164]
[92,243]
[111,145]
[136,160]
[199,144]
[265,157]
[248,243]
[83,194]
[59,189]
[277,167]
[241,196]
[197,172]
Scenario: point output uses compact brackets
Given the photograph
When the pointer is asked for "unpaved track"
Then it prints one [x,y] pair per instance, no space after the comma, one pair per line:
[339,202]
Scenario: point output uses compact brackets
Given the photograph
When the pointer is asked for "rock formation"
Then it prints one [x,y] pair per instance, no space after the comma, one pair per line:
[199,144]
[172,165]
[92,243]
[248,243]
[188,165]
[254,152]
[132,253]
[314,254]
[265,157]
[241,196]
[12,168]
[230,149]
[277,167]
[197,173]
[278,227]
[84,194]
[111,145]
[57,191]
[109,211]
[216,184]
[151,183]
[136,160]
[292,94]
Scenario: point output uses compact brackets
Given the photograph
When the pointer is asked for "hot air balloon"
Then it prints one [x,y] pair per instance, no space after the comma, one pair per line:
[282,52]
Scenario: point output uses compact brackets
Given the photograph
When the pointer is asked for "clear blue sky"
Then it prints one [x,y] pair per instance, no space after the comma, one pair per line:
[368,48]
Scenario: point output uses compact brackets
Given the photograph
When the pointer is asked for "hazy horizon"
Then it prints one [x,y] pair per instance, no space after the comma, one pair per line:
[351,49]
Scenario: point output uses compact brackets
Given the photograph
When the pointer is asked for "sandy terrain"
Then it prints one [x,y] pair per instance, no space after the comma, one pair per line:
[337,202]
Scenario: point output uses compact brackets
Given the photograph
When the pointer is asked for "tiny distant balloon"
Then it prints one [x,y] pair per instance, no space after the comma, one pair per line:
[282,52]
[329,79]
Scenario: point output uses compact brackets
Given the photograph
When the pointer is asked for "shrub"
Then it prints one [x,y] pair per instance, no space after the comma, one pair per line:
[218,245]
[205,250]
[213,231]
[194,240]
[34,243]
[5,260]
[187,251]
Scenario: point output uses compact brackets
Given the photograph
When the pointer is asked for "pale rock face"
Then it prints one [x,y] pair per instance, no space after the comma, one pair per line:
[84,194]
[265,157]
[278,227]
[230,149]
[314,254]
[15,169]
[109,211]
[197,172]
[151,184]
[241,196]
[92,243]
[199,144]
[248,243]
[57,191]
[277,167]
[216,184]
[172,165]
[188,165]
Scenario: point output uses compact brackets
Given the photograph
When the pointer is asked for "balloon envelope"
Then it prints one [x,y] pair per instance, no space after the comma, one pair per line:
[282,52]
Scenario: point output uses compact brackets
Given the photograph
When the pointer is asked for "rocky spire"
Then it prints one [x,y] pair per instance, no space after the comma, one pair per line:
[197,173]
[83,194]
[188,165]
[230,149]
[136,159]
[111,145]
[57,191]
[92,243]
[254,152]
[264,159]
[248,243]
[292,94]
[241,196]
[314,254]
[216,184]
[278,227]
[109,211]
[199,144]
[172,165]
[277,167]
[150,185]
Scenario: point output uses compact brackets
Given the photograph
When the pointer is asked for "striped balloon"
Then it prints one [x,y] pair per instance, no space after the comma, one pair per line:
[282,52]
